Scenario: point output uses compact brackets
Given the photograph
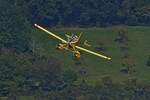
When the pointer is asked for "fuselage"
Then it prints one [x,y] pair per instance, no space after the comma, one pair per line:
[71,41]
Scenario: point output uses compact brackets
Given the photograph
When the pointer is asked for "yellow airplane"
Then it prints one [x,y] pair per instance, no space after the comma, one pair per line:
[71,44]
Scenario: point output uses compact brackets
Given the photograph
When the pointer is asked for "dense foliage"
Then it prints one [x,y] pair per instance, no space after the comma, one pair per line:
[81,13]
[87,13]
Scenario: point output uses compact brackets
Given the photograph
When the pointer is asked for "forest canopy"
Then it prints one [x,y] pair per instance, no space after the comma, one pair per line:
[80,13]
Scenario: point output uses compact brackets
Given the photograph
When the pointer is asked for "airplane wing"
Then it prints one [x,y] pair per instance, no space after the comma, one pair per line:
[50,33]
[80,48]
[94,53]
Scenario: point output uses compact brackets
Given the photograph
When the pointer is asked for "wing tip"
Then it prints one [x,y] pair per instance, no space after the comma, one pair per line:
[35,24]
[109,58]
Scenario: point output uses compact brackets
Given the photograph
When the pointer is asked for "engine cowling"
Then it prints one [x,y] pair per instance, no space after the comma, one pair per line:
[77,54]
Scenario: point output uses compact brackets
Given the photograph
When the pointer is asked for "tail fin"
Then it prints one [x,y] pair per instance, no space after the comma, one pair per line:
[86,43]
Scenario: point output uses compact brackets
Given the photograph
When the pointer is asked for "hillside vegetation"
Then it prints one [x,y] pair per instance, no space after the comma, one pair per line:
[32,68]
[128,47]
[45,72]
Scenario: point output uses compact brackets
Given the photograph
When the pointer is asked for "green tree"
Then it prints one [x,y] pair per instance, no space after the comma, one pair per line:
[14,26]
